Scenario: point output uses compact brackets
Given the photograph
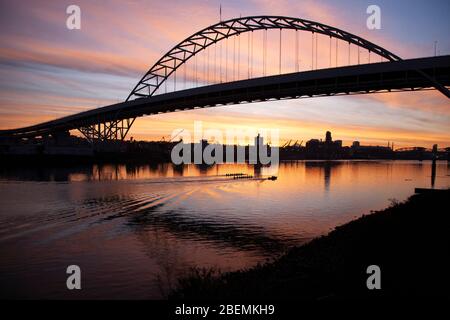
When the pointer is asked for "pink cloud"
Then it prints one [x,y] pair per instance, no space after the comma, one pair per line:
[431,101]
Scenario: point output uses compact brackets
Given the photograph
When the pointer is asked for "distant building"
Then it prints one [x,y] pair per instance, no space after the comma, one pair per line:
[371,152]
[328,149]
[312,144]
[328,138]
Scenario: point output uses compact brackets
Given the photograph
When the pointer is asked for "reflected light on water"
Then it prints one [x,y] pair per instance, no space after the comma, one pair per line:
[134,229]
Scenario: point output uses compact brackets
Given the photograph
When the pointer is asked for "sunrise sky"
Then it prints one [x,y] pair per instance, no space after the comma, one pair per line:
[48,71]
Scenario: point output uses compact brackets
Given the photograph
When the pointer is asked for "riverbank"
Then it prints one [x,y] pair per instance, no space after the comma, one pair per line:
[409,241]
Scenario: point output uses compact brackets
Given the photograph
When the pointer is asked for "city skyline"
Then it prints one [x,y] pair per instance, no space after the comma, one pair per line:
[48,71]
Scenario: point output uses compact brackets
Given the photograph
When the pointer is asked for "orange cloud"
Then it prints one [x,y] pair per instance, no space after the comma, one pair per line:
[429,101]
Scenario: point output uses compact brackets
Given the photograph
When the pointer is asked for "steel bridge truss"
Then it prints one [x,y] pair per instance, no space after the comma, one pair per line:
[107,130]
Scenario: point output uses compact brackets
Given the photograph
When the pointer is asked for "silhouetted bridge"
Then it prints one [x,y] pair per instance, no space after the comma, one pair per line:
[114,121]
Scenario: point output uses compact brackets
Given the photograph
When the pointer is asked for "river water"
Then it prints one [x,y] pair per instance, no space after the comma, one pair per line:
[133,230]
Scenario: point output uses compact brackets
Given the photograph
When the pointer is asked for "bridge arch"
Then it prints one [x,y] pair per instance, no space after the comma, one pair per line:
[189,47]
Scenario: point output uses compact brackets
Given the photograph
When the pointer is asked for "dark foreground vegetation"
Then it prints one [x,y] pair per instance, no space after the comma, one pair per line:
[409,242]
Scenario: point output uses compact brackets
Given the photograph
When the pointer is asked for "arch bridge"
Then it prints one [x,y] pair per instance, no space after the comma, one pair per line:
[390,74]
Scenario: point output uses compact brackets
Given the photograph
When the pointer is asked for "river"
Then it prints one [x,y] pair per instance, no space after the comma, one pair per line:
[134,230]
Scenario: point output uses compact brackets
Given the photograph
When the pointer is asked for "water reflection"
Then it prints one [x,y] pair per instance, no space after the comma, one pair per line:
[323,168]
[157,221]
[433,173]
[108,172]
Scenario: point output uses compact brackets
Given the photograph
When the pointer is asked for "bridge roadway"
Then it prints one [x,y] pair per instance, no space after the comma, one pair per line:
[405,75]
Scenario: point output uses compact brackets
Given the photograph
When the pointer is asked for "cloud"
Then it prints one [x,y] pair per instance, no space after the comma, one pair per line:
[431,101]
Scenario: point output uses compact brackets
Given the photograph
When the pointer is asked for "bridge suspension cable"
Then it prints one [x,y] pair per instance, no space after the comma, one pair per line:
[226,59]
[312,51]
[220,59]
[251,53]
[239,57]
[349,53]
[215,65]
[248,55]
[317,49]
[264,52]
[234,58]
[336,52]
[279,57]
[330,54]
[297,67]
[358,54]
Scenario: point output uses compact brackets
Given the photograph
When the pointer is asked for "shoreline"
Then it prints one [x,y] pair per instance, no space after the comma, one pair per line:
[409,241]
[119,159]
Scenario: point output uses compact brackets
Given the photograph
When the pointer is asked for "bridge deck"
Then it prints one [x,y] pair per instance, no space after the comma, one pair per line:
[367,78]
